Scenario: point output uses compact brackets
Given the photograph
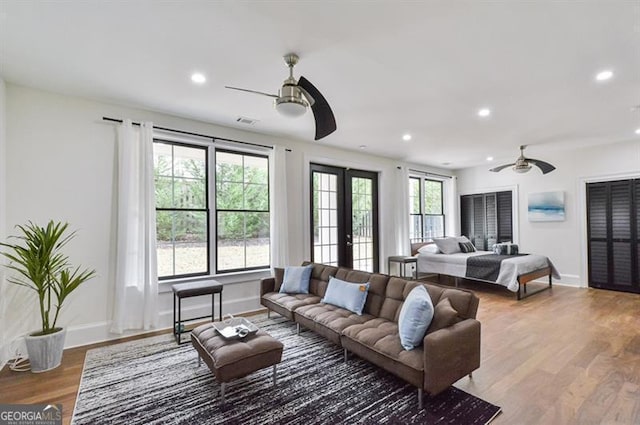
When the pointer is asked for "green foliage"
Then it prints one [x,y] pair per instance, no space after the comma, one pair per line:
[42,267]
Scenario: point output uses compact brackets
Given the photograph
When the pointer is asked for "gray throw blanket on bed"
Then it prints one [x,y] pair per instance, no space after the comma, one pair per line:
[486,267]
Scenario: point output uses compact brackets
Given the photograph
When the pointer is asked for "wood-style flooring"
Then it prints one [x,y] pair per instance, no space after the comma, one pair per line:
[569,356]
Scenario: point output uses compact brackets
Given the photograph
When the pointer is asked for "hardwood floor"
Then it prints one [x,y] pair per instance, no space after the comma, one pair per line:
[566,356]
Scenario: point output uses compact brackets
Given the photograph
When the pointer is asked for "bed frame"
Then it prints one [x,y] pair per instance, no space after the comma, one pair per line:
[523,279]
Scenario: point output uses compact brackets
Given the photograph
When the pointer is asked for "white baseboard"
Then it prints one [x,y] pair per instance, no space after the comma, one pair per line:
[92,333]
[572,280]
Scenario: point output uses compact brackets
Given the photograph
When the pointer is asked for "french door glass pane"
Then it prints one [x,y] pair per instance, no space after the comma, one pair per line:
[325,222]
[362,223]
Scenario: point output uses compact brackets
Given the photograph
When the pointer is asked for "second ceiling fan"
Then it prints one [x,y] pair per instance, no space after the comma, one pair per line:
[295,97]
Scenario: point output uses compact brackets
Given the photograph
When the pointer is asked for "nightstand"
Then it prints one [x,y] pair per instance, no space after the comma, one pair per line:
[402,261]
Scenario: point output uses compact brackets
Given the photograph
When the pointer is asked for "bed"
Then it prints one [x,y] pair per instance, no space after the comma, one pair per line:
[510,271]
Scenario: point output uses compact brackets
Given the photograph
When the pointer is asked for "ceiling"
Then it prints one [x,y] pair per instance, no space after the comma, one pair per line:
[387,68]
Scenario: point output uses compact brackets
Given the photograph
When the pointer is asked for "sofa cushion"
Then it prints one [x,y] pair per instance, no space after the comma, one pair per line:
[278,275]
[415,317]
[444,316]
[285,304]
[296,280]
[382,336]
[320,277]
[351,296]
[332,318]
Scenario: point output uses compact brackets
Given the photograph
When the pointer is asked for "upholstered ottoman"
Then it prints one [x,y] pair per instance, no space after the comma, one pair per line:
[232,359]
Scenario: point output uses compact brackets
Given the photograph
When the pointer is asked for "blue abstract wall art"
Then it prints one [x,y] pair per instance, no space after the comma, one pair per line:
[546,206]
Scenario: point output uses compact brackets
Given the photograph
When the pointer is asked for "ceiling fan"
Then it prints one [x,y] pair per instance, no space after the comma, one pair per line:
[523,165]
[295,96]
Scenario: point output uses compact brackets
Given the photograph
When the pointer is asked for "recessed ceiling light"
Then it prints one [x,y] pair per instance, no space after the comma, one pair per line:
[484,112]
[198,78]
[489,158]
[406,137]
[604,75]
[362,146]
[638,131]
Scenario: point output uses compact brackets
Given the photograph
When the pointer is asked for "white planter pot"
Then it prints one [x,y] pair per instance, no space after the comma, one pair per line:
[45,352]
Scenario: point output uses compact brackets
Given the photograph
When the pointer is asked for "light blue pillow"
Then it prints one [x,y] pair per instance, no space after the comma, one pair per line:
[296,280]
[351,296]
[415,317]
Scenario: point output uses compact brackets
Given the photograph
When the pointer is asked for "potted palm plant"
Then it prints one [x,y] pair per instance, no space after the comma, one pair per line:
[40,266]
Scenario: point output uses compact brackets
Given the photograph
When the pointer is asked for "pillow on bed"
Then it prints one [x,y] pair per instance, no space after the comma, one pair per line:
[447,245]
[506,248]
[429,249]
[467,247]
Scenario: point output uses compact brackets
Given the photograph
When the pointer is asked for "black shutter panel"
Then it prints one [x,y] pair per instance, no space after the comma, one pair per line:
[466,216]
[492,219]
[478,221]
[505,226]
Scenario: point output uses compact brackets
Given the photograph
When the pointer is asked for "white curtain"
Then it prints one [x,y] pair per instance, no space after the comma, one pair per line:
[451,205]
[401,207]
[136,286]
[279,208]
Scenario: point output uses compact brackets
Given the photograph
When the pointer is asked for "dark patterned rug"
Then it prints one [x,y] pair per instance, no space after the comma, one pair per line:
[153,381]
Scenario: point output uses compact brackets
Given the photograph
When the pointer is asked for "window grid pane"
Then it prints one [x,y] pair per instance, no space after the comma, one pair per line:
[426,216]
[242,211]
[182,217]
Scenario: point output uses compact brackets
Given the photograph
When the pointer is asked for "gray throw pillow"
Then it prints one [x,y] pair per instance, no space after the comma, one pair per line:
[447,245]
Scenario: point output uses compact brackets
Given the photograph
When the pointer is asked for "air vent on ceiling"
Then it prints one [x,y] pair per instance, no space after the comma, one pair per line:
[245,120]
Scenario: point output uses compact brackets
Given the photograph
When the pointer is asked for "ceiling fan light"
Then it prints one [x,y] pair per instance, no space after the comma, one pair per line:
[291,109]
[522,168]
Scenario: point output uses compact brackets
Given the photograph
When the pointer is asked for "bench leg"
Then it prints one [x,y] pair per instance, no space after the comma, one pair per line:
[223,386]
[420,398]
[470,375]
[275,377]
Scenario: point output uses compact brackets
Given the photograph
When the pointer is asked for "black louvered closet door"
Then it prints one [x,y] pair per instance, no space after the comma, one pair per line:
[613,221]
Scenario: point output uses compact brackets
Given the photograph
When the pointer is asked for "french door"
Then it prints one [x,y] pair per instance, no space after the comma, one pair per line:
[344,217]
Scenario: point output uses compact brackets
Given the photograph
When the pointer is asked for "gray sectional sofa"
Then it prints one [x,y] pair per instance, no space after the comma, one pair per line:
[450,349]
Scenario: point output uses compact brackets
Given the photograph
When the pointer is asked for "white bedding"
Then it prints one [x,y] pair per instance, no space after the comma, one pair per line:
[510,269]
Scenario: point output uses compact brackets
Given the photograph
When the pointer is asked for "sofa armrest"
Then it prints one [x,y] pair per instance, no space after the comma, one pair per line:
[450,354]
[267,284]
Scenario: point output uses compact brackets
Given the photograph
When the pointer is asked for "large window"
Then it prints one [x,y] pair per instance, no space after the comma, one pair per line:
[426,215]
[182,214]
[242,211]
[239,235]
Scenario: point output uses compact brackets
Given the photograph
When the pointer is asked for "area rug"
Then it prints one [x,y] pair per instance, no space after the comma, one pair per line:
[154,381]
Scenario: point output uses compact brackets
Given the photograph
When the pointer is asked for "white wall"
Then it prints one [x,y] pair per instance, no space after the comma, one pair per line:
[563,242]
[60,165]
[4,337]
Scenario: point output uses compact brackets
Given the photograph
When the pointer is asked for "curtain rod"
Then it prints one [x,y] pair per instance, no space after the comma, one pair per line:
[426,173]
[189,133]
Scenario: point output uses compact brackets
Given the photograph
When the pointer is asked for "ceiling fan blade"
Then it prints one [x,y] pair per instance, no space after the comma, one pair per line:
[322,113]
[502,167]
[252,91]
[545,167]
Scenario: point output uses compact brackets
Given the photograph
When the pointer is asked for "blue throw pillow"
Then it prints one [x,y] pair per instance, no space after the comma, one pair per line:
[415,317]
[351,296]
[296,280]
